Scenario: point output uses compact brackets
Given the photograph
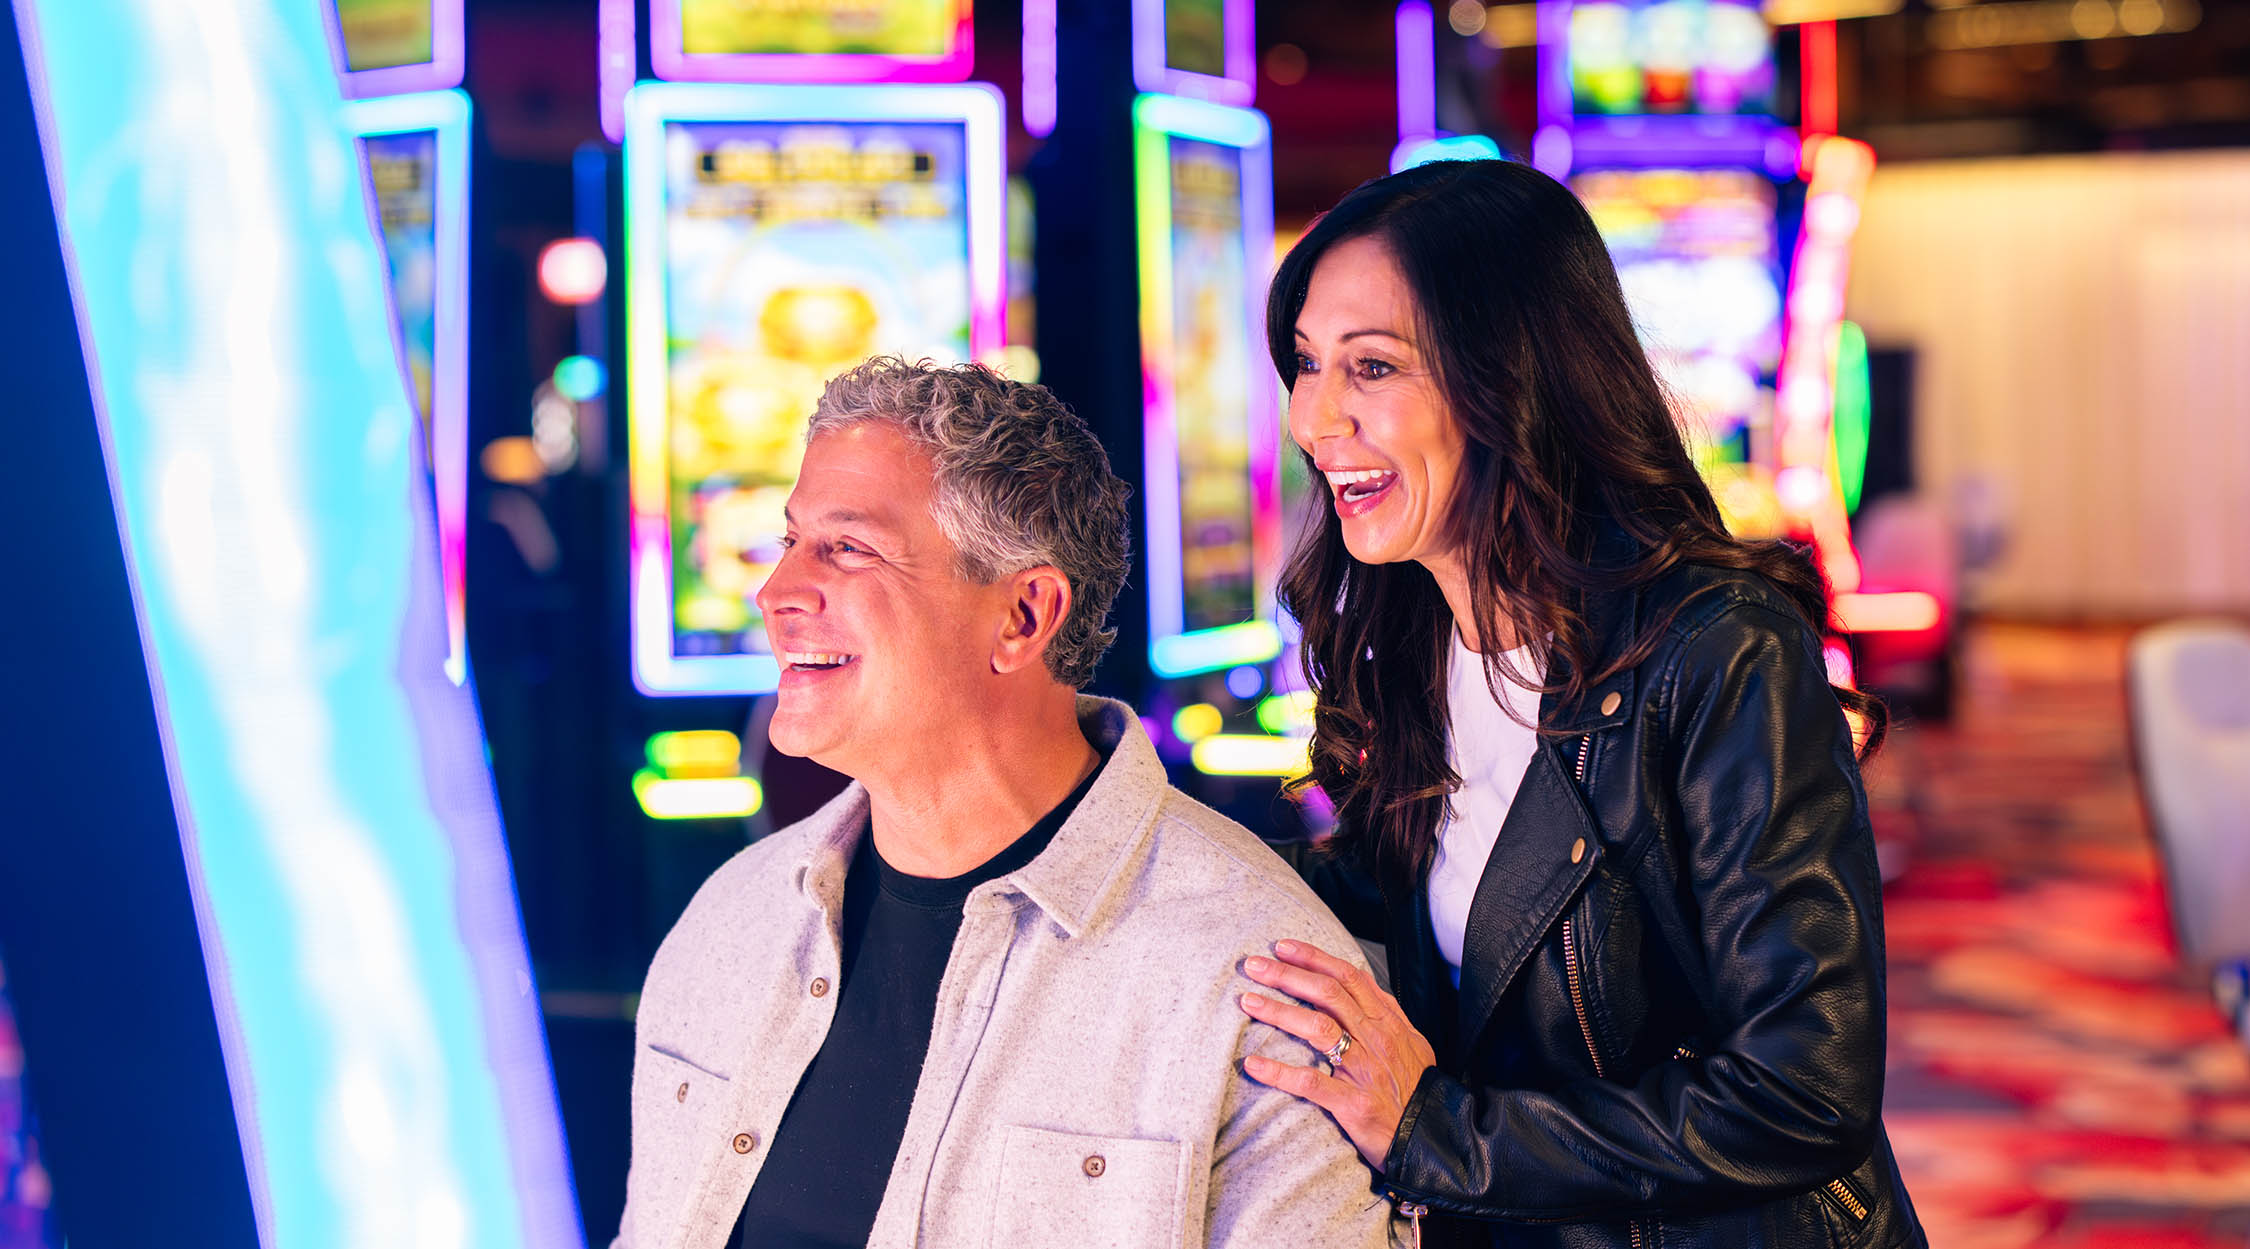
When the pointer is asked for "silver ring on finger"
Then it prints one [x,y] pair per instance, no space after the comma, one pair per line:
[1335,1053]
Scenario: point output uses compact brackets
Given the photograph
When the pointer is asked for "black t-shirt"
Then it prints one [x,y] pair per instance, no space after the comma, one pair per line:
[833,1152]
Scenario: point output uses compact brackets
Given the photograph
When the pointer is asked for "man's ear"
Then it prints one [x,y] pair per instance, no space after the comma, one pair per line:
[1038,603]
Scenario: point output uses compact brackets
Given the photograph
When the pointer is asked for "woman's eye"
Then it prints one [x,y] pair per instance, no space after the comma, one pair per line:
[1305,364]
[1377,368]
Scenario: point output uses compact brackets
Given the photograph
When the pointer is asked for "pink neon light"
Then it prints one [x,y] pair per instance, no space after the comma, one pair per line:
[1040,103]
[1555,101]
[617,64]
[1152,73]
[1417,71]
[1804,405]
[1899,611]
[670,59]
[444,69]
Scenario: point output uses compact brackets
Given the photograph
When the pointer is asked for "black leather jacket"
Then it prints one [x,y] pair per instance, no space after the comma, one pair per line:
[1669,1030]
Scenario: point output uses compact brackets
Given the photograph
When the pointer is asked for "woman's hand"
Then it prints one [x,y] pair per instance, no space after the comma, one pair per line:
[1377,1072]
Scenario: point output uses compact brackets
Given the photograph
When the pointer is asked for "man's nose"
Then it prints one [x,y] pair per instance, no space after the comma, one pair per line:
[790,587]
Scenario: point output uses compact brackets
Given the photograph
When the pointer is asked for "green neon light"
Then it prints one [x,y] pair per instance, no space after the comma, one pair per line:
[1854,412]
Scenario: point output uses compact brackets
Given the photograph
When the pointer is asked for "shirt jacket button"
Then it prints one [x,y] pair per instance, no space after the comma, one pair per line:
[745,1142]
[682,1094]
[820,986]
[1094,1166]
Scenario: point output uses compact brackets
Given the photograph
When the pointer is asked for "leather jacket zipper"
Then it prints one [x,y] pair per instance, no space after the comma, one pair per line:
[1841,1193]
[1578,996]
[1413,1210]
[1585,744]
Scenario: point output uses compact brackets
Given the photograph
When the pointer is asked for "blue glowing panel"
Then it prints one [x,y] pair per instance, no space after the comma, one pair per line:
[358,920]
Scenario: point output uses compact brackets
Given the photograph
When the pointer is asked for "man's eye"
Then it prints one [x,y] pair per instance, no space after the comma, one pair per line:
[851,548]
[788,541]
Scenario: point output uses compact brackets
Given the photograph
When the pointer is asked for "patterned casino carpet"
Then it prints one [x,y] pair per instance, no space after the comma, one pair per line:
[2058,1078]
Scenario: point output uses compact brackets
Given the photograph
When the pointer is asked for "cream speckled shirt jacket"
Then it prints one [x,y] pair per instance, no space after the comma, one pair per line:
[1083,1086]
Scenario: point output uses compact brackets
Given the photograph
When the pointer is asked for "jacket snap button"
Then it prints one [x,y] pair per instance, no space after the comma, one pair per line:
[682,1094]
[1578,851]
[745,1142]
[1609,703]
[820,987]
[1094,1166]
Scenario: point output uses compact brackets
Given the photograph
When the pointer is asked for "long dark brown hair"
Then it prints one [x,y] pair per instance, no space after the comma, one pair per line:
[1568,432]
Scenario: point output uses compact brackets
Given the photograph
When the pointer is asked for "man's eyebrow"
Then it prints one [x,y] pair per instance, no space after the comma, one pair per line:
[844,516]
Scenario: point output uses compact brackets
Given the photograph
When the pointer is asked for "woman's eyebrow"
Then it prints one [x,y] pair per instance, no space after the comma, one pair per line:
[1349,335]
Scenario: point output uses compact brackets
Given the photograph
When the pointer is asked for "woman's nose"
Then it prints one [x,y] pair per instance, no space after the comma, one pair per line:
[1316,410]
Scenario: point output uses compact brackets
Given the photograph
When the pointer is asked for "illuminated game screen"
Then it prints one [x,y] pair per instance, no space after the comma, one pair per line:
[811,40]
[1211,430]
[403,169]
[1195,36]
[1211,385]
[881,27]
[1697,255]
[386,34]
[787,252]
[1712,57]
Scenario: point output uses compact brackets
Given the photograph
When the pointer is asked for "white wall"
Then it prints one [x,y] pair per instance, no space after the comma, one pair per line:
[2082,326]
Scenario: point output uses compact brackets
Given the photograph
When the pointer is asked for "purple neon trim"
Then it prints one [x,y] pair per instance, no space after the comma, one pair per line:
[445,68]
[1644,142]
[1417,71]
[1555,102]
[1153,76]
[669,58]
[616,64]
[1041,104]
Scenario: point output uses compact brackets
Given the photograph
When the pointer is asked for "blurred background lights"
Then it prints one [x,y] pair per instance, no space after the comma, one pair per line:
[1285,64]
[580,378]
[1466,17]
[573,271]
[1196,721]
[1246,682]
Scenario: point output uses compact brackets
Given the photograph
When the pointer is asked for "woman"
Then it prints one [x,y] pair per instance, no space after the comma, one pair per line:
[1593,789]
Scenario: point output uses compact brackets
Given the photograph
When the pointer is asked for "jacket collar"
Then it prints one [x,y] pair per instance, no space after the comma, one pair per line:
[1612,622]
[1074,878]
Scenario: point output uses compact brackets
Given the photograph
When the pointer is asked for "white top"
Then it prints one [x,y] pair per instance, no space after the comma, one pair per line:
[1490,751]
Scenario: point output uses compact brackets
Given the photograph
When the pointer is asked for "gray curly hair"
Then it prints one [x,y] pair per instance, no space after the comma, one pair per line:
[1021,481]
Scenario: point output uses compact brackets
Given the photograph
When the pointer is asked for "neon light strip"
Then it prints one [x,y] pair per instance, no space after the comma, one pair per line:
[697,798]
[444,68]
[1683,142]
[1417,74]
[1250,754]
[1556,101]
[1040,58]
[617,64]
[1153,75]
[1816,91]
[975,106]
[1900,611]
[668,56]
[1156,119]
[367,966]
[1805,477]
[447,114]
[1414,152]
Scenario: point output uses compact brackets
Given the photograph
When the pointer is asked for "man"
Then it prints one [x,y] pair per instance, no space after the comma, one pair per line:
[987,995]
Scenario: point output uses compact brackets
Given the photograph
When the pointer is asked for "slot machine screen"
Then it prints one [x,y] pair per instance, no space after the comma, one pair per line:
[1212,431]
[779,253]
[1708,57]
[416,151]
[1697,256]
[394,47]
[1201,49]
[402,168]
[811,40]
[1212,364]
